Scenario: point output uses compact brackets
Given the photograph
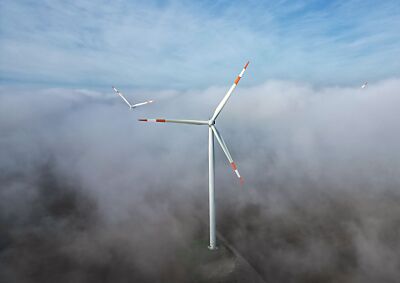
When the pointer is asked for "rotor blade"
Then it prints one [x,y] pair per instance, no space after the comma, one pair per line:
[191,122]
[227,153]
[228,94]
[120,94]
[142,103]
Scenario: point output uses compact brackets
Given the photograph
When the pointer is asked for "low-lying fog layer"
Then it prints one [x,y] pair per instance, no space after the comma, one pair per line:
[88,194]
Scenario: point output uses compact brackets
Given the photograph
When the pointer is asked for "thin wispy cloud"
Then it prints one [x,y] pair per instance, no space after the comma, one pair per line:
[180,44]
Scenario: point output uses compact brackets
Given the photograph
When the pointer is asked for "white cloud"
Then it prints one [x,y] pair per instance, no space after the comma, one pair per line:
[186,45]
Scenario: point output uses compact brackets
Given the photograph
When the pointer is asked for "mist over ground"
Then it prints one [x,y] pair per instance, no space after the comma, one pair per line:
[88,194]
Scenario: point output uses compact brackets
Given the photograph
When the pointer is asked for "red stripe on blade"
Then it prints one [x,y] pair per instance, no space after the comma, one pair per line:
[237,80]
[143,120]
[246,64]
[160,120]
[233,166]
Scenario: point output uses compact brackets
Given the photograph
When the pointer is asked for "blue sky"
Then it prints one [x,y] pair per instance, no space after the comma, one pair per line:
[196,44]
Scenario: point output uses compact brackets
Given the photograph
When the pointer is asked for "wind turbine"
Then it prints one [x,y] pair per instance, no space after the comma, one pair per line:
[131,106]
[212,131]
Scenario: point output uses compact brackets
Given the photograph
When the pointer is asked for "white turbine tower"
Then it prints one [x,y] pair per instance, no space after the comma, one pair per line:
[212,131]
[131,106]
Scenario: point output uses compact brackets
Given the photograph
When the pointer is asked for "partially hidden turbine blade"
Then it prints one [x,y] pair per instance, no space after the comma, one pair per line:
[191,122]
[127,102]
[227,153]
[228,94]
[122,96]
[142,103]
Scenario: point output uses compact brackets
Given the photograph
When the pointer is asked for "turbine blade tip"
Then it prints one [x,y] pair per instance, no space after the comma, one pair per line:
[142,120]
[245,66]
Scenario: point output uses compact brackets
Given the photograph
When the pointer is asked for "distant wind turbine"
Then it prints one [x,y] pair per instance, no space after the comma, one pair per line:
[131,106]
[212,131]
[364,85]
